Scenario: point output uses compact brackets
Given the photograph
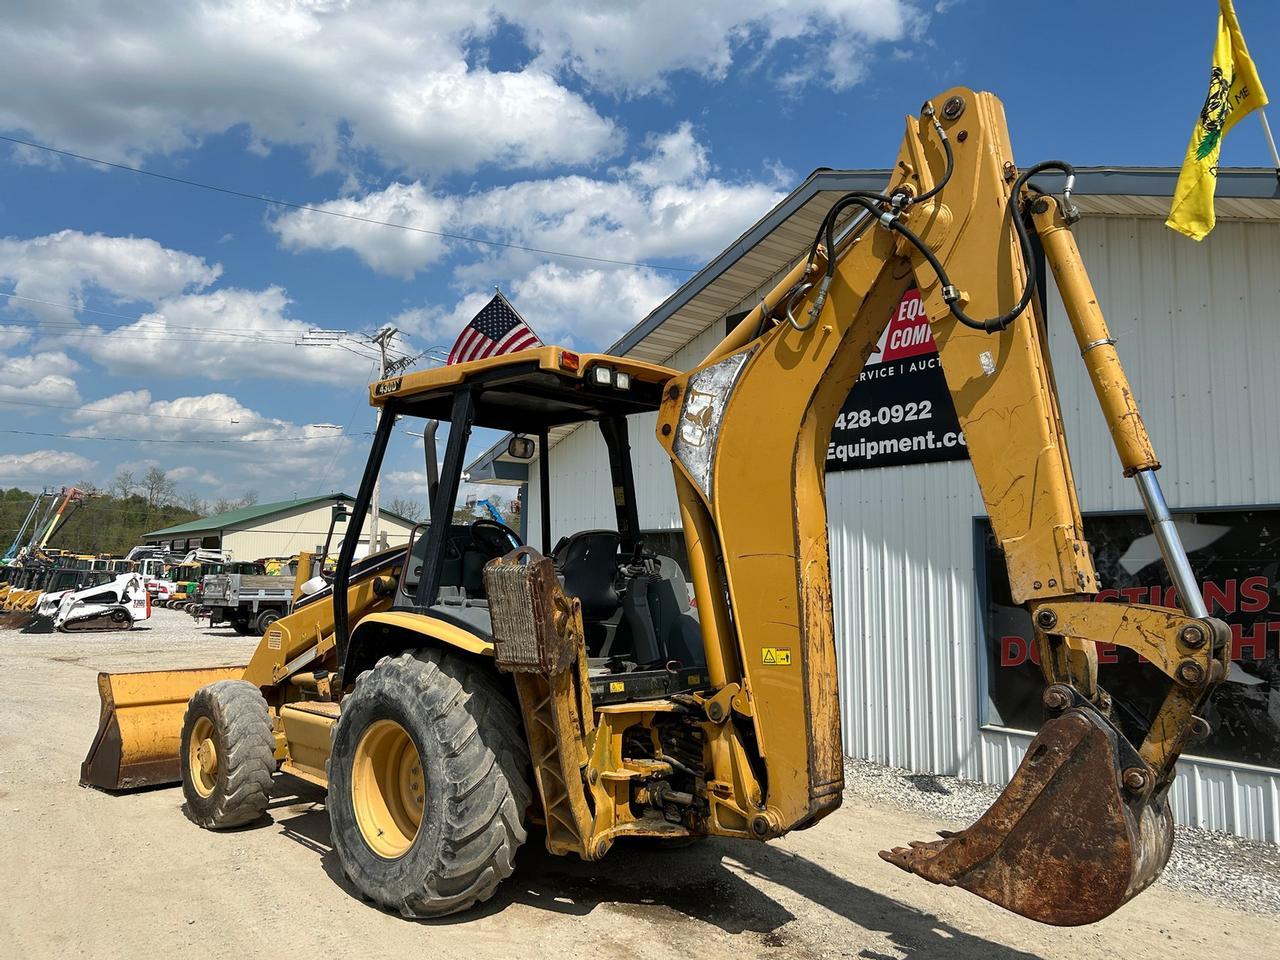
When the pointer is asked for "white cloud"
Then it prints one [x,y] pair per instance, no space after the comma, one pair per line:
[38,378]
[387,77]
[664,205]
[55,466]
[633,47]
[62,266]
[189,473]
[13,335]
[274,451]
[588,308]
[574,307]
[225,334]
[395,252]
[403,81]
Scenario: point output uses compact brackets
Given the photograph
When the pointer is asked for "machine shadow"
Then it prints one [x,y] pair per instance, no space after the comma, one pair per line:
[700,883]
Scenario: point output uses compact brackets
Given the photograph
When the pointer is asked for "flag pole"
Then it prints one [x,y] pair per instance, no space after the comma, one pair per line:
[1271,142]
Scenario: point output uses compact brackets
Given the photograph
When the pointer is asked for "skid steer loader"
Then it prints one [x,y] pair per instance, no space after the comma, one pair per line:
[452,691]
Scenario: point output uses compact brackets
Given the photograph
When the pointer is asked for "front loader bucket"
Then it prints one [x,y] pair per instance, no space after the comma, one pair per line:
[1066,843]
[140,726]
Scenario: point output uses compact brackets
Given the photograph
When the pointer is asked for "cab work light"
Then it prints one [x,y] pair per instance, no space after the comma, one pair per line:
[602,375]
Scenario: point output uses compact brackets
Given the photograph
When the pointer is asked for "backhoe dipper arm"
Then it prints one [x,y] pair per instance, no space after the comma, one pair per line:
[1084,824]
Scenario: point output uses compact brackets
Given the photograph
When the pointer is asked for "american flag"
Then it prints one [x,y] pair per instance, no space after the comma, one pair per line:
[495,330]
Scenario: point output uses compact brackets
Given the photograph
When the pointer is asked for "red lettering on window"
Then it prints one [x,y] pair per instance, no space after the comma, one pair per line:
[1255,593]
[1222,596]
[1013,651]
[1255,641]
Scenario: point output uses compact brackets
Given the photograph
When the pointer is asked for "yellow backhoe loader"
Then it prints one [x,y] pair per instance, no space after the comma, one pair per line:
[449,692]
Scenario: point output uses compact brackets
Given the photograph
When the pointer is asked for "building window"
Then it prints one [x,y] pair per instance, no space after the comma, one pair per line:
[211,543]
[1234,556]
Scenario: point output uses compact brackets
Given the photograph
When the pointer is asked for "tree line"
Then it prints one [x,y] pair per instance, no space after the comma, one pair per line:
[116,517]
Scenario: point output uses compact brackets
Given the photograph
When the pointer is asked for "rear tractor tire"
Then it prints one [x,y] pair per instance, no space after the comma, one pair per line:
[428,784]
[227,754]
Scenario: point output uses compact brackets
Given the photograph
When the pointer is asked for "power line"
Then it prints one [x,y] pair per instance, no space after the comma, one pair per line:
[72,436]
[340,339]
[126,413]
[160,319]
[244,195]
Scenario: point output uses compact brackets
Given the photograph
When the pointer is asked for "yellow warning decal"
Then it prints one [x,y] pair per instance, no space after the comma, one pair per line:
[775,656]
[617,687]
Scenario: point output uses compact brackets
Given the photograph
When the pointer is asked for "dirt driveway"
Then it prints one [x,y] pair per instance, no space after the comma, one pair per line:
[85,874]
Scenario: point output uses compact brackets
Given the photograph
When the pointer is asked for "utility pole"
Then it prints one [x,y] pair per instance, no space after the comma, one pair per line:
[384,337]
[388,365]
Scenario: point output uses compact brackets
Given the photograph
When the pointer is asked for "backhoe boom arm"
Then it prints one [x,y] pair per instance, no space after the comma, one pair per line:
[1084,825]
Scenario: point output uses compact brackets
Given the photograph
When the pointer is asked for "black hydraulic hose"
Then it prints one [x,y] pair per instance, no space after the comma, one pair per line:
[950,292]
[899,199]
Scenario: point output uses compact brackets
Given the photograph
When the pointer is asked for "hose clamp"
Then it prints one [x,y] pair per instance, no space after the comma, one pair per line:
[1109,341]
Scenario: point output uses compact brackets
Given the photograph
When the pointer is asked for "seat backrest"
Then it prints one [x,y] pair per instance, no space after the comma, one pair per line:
[587,561]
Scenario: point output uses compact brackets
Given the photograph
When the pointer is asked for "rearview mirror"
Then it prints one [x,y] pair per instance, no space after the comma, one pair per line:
[521,448]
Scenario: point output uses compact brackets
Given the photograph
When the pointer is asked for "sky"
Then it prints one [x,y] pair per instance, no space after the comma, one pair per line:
[138,310]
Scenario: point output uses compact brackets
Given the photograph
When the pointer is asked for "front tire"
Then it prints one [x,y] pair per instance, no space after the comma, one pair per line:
[428,784]
[227,754]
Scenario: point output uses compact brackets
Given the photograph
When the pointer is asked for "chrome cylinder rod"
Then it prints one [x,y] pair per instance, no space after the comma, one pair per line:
[1171,548]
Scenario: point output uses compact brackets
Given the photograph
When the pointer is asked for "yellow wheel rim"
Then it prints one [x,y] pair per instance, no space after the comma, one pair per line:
[388,789]
[203,757]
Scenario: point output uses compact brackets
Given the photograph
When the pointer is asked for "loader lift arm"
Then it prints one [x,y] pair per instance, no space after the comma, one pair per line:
[1084,825]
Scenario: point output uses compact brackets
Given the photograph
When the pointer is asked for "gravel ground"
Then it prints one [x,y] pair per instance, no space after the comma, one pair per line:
[147,882]
[1219,866]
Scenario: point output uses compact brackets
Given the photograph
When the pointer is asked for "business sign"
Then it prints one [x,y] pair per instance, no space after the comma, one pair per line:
[1235,555]
[900,410]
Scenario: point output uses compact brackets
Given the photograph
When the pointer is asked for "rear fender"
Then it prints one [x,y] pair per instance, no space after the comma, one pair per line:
[381,634]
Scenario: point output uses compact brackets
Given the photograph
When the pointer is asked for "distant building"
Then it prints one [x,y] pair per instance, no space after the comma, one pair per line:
[278,529]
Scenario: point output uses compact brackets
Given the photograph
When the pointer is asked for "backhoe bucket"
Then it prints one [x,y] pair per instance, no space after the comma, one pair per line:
[1066,843]
[140,726]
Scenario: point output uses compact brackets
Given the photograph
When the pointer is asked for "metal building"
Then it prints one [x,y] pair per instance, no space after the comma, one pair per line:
[278,529]
[922,661]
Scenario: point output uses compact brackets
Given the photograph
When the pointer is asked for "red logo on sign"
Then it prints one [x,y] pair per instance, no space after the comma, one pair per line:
[908,333]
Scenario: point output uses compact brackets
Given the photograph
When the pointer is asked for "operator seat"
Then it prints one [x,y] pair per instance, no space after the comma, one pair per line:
[587,561]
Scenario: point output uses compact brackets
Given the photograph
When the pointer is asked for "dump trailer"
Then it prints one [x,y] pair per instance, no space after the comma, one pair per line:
[249,602]
[448,693]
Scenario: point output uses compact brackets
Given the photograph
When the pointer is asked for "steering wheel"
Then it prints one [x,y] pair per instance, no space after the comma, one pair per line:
[497,538]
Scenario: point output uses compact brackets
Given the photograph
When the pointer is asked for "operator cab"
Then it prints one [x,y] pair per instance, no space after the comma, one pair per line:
[641,629]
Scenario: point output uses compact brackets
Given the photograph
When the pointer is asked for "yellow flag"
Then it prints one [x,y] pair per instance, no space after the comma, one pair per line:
[1234,92]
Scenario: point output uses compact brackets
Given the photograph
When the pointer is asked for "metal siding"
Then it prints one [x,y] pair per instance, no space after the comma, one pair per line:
[1198,333]
[285,535]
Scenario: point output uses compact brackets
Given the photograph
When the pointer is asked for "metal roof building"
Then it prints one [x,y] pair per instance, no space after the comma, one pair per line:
[932,676]
[277,529]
